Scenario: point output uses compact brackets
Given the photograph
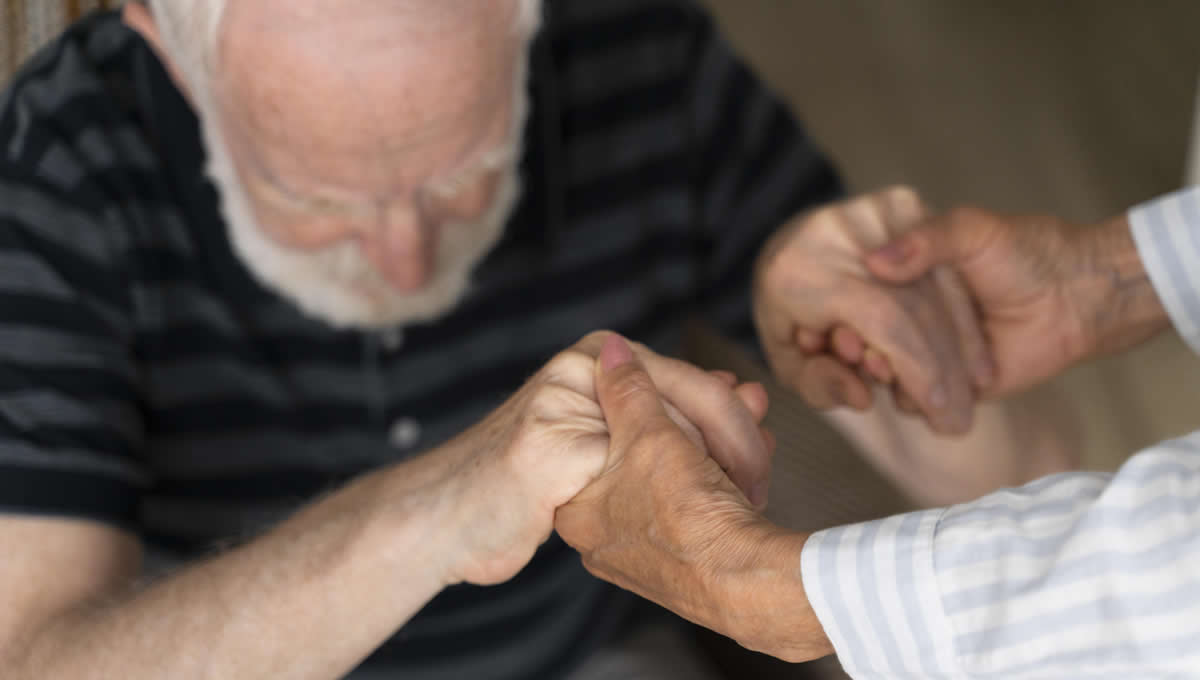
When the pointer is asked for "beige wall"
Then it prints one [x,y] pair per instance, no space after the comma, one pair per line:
[1080,107]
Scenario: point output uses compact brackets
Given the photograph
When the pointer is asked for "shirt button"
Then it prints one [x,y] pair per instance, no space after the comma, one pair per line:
[392,339]
[405,433]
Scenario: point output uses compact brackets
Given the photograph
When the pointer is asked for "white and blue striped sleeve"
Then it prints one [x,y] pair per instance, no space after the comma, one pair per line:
[1167,234]
[1081,575]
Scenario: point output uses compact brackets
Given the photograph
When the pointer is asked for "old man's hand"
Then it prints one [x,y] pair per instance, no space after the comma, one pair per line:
[831,329]
[509,473]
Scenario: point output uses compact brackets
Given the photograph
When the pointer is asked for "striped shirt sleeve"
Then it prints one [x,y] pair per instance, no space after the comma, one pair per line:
[1081,575]
[1167,233]
[71,425]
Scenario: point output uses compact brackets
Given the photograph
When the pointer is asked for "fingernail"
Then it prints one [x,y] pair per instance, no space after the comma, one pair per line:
[615,353]
[895,252]
[939,398]
[758,496]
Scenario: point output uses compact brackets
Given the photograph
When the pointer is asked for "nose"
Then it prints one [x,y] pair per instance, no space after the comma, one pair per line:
[402,248]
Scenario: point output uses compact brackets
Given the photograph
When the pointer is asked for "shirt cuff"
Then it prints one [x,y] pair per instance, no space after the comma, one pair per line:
[1167,234]
[875,592]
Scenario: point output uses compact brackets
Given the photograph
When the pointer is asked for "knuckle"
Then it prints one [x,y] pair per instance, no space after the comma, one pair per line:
[827,224]
[902,192]
[549,401]
[906,198]
[595,339]
[967,214]
[567,364]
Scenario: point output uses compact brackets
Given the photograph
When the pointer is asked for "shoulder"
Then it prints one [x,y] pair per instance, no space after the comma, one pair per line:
[73,153]
[69,115]
[609,56]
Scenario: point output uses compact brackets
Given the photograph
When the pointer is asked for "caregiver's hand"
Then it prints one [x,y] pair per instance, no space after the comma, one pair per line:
[664,521]
[1048,293]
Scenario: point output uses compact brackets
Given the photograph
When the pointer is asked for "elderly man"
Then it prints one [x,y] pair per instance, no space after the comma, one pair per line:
[259,255]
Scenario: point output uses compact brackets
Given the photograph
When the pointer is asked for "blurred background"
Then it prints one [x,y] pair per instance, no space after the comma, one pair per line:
[1081,108]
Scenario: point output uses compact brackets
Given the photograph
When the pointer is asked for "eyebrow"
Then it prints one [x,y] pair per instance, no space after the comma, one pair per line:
[484,161]
[488,160]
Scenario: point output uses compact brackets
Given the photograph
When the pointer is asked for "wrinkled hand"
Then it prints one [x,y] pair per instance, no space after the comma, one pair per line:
[830,329]
[1048,293]
[512,471]
[665,522]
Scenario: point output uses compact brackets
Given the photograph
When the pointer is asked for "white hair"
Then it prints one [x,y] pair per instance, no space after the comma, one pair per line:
[181,21]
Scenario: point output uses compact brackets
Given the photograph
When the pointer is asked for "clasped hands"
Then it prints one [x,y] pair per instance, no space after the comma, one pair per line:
[656,471]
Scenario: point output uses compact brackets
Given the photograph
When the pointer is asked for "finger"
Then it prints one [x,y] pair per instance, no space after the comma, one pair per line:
[905,403]
[865,376]
[976,352]
[902,209]
[946,239]
[878,367]
[848,344]
[627,396]
[909,327]
[685,425]
[729,426]
[809,340]
[825,383]
[754,396]
[769,439]
[727,377]
[950,407]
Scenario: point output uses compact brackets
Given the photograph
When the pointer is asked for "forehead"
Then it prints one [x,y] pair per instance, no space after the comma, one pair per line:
[376,82]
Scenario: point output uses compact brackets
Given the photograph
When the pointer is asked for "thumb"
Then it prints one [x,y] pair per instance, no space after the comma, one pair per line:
[627,395]
[947,239]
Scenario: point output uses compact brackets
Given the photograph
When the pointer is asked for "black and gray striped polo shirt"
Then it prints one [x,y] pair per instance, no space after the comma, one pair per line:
[147,381]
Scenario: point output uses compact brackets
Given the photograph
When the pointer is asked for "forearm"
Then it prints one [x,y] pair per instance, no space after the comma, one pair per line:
[310,599]
[1010,442]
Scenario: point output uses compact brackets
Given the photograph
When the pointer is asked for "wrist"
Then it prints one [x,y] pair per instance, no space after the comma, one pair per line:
[765,605]
[1117,304]
[420,502]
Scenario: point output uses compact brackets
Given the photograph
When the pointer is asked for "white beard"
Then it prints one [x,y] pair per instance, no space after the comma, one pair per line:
[338,284]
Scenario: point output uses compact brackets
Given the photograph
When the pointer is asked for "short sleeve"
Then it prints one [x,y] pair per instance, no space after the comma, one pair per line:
[71,428]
